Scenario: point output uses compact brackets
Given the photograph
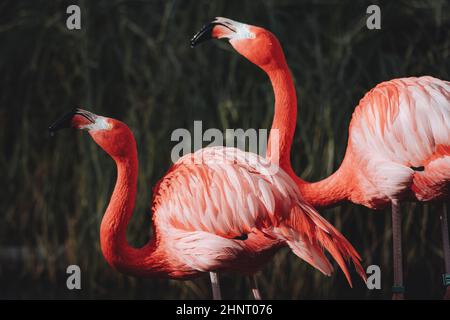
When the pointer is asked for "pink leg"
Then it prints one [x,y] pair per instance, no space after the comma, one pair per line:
[214,276]
[397,288]
[255,290]
[446,249]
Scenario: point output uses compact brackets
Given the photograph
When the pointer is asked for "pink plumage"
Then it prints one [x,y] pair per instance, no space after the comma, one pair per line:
[399,138]
[217,209]
[400,125]
[211,197]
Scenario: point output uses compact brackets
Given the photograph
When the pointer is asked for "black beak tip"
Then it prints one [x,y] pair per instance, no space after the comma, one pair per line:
[62,122]
[53,128]
[195,40]
[65,120]
[202,35]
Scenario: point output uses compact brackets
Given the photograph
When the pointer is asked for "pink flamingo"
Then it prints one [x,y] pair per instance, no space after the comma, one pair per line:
[399,138]
[218,209]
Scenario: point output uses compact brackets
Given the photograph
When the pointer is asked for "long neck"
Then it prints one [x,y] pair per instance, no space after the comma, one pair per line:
[285,116]
[324,193]
[116,250]
[327,192]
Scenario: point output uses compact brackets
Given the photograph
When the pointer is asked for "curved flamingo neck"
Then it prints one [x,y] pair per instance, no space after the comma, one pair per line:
[285,116]
[324,193]
[116,250]
[327,192]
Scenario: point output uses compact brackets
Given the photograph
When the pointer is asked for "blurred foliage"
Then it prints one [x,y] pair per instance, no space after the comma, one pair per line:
[132,61]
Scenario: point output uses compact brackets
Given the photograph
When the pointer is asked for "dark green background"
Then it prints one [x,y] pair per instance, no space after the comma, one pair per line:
[132,61]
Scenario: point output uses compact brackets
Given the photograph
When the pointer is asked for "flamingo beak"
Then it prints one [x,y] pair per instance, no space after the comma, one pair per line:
[65,121]
[206,32]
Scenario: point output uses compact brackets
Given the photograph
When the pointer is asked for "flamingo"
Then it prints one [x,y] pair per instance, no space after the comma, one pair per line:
[399,138]
[218,209]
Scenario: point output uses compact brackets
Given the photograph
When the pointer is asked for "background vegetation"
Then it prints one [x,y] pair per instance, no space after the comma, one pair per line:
[132,61]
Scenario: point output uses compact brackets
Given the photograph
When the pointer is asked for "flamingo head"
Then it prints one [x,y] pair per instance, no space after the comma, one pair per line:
[256,44]
[111,135]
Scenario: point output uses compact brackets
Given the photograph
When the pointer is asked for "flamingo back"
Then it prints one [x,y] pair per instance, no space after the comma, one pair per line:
[400,140]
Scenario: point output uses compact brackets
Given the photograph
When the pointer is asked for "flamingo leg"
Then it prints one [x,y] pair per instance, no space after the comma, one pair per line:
[397,288]
[215,286]
[446,249]
[255,289]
